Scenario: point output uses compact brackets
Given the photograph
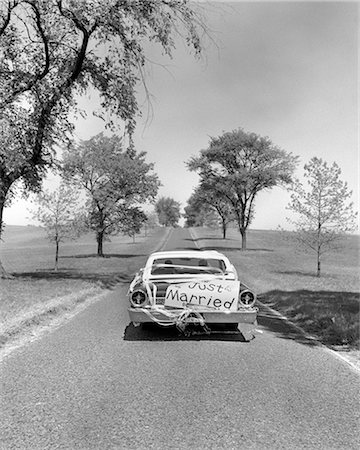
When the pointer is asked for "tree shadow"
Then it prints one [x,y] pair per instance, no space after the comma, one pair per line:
[283,329]
[94,255]
[106,281]
[237,248]
[154,332]
[187,248]
[214,247]
[211,238]
[296,272]
[220,248]
[330,317]
[226,249]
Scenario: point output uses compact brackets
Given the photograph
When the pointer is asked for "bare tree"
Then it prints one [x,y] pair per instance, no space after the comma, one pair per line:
[324,209]
[58,212]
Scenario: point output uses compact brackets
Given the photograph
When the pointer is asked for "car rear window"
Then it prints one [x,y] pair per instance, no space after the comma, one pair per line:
[186,265]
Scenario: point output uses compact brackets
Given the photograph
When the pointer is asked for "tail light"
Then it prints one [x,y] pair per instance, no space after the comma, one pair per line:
[247,298]
[138,298]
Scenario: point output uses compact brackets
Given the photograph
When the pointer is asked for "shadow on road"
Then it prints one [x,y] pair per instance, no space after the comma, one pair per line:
[153,332]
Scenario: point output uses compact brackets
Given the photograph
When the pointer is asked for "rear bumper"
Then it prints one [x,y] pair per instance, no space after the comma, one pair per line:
[245,319]
[143,315]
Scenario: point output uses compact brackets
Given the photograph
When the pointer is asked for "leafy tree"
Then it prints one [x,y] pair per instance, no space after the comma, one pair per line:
[242,164]
[323,209]
[132,221]
[151,222]
[208,197]
[168,211]
[115,181]
[199,215]
[59,213]
[53,51]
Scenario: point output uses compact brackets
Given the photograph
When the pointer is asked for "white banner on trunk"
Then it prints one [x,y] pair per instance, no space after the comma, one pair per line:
[218,294]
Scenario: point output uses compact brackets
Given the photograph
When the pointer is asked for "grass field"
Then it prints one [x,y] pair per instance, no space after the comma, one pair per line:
[283,277]
[37,290]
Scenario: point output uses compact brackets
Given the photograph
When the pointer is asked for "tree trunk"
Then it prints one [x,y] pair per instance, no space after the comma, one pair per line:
[243,238]
[100,238]
[3,191]
[318,270]
[56,256]
[318,248]
[224,228]
[3,274]
[242,230]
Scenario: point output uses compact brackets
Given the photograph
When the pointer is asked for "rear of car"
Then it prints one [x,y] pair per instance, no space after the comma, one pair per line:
[191,287]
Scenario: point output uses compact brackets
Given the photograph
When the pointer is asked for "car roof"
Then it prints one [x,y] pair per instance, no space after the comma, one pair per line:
[188,254]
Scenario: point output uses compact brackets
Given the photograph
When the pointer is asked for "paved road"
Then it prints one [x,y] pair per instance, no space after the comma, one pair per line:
[99,383]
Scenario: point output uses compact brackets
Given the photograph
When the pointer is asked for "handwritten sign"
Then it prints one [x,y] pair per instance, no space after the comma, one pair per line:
[217,294]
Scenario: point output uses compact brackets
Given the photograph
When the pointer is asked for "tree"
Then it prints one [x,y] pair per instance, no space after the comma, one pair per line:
[133,221]
[168,211]
[242,164]
[115,181]
[53,51]
[59,213]
[323,210]
[208,195]
[199,215]
[151,222]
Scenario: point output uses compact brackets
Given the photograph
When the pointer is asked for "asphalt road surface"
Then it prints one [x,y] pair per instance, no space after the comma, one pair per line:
[99,383]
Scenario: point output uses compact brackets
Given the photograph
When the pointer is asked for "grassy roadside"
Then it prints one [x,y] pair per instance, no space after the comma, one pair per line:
[37,294]
[285,279]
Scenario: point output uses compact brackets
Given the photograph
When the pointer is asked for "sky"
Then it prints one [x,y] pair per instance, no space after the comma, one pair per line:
[286,70]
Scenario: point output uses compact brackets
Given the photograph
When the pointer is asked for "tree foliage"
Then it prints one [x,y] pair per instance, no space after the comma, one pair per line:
[208,203]
[115,181]
[59,213]
[168,211]
[323,208]
[242,164]
[132,221]
[53,51]
[199,215]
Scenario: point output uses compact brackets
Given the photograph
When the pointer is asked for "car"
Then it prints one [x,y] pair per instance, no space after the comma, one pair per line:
[192,289]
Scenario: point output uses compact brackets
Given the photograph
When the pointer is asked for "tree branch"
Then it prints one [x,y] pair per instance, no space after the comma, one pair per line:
[10,7]
[32,80]
[45,43]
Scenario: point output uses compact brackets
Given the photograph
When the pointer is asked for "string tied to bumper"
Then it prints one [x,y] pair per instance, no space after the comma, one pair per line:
[180,319]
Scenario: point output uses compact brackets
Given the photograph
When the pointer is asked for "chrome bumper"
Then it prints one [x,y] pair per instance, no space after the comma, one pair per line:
[139,315]
[245,319]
